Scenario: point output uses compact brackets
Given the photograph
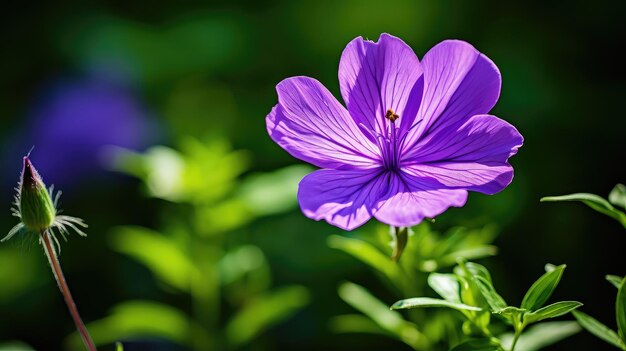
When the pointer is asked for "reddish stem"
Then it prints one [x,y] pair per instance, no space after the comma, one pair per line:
[65,291]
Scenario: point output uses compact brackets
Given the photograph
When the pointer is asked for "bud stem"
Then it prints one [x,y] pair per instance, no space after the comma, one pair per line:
[65,291]
[399,237]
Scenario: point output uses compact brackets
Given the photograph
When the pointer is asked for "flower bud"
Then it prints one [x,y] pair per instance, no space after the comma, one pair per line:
[36,208]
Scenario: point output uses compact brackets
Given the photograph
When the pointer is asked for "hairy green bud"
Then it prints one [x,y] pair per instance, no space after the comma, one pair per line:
[36,208]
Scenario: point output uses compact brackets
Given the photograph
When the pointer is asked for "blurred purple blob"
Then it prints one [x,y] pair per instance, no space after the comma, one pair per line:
[73,121]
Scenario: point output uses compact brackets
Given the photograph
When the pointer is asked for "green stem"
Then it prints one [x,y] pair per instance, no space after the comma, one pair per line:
[515,338]
[65,291]
[400,237]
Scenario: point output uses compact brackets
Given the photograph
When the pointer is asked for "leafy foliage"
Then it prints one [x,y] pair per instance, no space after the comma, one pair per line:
[189,255]
[617,197]
[476,295]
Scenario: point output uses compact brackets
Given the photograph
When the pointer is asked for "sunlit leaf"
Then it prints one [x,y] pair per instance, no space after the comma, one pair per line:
[446,285]
[271,193]
[598,329]
[621,310]
[119,346]
[133,319]
[157,252]
[483,344]
[391,321]
[264,312]
[551,311]
[617,196]
[370,255]
[542,289]
[417,302]
[541,335]
[478,270]
[615,280]
[594,201]
[495,301]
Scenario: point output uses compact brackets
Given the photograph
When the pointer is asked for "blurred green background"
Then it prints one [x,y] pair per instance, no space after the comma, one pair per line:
[199,77]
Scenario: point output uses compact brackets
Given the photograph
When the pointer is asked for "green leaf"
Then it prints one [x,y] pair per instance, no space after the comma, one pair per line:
[157,252]
[370,255]
[615,280]
[478,270]
[468,254]
[618,196]
[356,323]
[495,301]
[391,321]
[551,311]
[133,319]
[446,285]
[595,202]
[512,313]
[270,193]
[621,310]
[542,289]
[429,302]
[541,335]
[478,345]
[598,329]
[119,346]
[264,312]
[15,346]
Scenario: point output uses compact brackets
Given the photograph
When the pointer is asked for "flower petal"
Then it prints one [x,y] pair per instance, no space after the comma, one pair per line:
[473,157]
[345,199]
[410,199]
[311,124]
[376,77]
[459,82]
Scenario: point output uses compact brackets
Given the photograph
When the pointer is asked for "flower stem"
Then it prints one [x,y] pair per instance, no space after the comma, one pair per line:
[399,237]
[515,338]
[65,291]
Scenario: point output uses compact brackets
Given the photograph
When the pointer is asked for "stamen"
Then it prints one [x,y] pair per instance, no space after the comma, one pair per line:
[391,115]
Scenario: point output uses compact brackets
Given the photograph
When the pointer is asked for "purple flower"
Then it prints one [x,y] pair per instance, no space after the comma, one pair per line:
[415,136]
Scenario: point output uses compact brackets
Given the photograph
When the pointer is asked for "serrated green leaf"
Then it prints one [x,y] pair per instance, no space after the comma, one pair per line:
[621,310]
[542,289]
[615,280]
[157,252]
[446,285]
[478,345]
[551,311]
[391,321]
[618,196]
[265,311]
[495,301]
[598,329]
[417,302]
[595,202]
[541,335]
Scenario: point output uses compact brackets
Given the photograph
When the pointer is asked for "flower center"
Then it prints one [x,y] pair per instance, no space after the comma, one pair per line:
[391,115]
